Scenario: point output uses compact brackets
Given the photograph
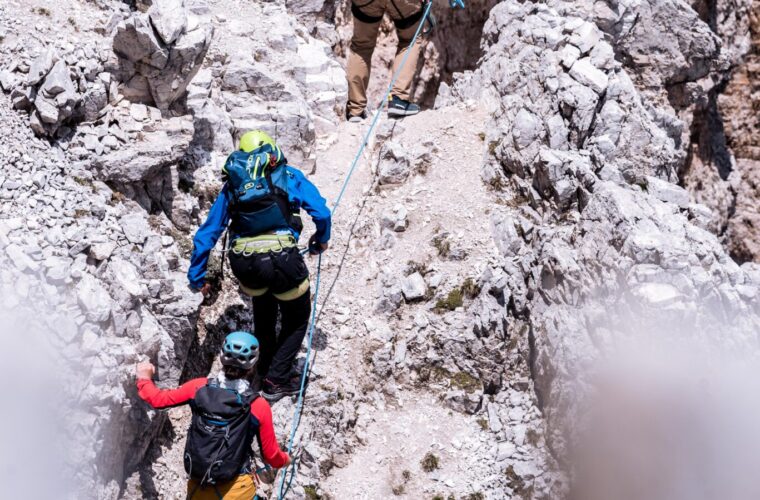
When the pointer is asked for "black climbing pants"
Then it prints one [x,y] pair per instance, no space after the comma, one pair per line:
[277,352]
[278,284]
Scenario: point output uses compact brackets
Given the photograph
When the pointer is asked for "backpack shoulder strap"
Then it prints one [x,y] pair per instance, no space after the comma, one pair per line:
[227,163]
[249,397]
[281,192]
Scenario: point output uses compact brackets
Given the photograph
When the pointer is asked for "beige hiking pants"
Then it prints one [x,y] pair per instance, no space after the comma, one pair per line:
[367,17]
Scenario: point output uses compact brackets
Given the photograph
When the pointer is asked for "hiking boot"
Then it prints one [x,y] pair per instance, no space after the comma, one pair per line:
[274,392]
[400,108]
[356,118]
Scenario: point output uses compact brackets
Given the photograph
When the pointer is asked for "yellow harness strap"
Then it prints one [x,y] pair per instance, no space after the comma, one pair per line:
[291,294]
[253,292]
[295,292]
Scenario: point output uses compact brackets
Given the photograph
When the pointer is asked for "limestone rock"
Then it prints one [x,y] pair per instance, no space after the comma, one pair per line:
[94,300]
[396,219]
[94,100]
[162,65]
[147,158]
[587,74]
[213,128]
[169,18]
[413,287]
[668,192]
[67,268]
[20,259]
[135,228]
[595,145]
[102,251]
[41,66]
[393,164]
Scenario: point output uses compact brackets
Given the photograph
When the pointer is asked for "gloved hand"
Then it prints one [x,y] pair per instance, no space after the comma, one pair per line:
[315,247]
[264,475]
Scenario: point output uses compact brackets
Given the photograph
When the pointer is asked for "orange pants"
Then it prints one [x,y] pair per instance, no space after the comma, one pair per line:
[242,488]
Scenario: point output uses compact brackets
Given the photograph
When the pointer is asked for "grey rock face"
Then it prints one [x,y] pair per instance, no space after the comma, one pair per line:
[593,146]
[213,128]
[294,103]
[62,87]
[664,42]
[67,246]
[150,156]
[158,69]
[560,106]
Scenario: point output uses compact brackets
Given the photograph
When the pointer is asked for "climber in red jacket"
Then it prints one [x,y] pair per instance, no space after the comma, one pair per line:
[227,415]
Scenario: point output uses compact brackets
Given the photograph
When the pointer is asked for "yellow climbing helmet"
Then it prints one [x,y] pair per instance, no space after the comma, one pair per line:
[254,139]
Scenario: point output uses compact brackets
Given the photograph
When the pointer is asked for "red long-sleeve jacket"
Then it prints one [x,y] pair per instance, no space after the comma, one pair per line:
[260,409]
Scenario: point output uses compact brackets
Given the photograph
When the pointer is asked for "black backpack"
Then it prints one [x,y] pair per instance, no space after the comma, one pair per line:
[219,441]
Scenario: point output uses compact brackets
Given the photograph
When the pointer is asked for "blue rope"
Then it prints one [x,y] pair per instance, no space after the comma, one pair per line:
[379,110]
[299,403]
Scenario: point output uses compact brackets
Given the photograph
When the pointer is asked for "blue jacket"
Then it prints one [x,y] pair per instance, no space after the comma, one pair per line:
[302,193]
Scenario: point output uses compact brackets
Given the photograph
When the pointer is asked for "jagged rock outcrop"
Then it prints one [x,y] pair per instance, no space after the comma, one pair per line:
[714,172]
[108,276]
[68,244]
[275,77]
[604,239]
[739,102]
[682,69]
[59,90]
[738,106]
[161,51]
[742,235]
[582,99]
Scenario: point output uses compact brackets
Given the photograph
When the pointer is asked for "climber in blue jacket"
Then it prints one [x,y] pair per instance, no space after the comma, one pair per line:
[260,202]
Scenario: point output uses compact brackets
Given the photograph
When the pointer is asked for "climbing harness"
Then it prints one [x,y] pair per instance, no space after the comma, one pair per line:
[290,472]
[263,243]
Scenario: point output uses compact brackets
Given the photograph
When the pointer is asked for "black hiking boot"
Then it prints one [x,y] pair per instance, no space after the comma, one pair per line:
[356,118]
[274,392]
[399,108]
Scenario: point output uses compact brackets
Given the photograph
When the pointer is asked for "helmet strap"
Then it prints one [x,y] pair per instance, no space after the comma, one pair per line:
[234,372]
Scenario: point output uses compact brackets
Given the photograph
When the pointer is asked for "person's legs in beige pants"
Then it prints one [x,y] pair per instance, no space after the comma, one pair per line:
[403,86]
[360,63]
